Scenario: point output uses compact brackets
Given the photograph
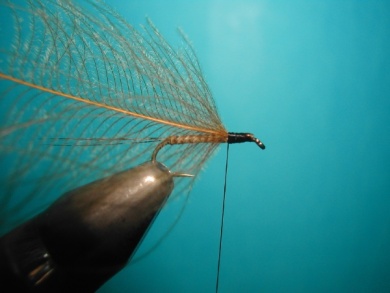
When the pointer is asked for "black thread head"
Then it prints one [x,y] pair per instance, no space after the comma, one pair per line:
[238,137]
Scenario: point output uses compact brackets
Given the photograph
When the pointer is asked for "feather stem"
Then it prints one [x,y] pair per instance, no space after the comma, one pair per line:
[136,115]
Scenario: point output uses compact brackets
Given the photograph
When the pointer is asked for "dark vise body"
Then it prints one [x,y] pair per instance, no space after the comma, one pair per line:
[87,235]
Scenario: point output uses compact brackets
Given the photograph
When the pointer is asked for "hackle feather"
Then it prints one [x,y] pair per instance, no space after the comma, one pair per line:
[85,95]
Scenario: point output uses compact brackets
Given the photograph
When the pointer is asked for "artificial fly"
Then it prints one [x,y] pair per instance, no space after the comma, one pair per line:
[77,74]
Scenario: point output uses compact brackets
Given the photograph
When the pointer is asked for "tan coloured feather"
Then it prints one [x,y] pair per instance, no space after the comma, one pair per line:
[86,95]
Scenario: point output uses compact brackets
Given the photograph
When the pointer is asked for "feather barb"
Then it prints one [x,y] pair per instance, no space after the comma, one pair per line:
[108,107]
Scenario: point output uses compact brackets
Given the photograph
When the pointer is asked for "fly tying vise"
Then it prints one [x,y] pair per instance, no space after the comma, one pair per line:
[87,235]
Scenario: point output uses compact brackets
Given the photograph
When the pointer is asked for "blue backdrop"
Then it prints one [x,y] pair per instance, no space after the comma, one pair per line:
[311,213]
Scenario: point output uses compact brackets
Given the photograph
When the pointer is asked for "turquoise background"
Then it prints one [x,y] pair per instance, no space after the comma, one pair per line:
[311,213]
